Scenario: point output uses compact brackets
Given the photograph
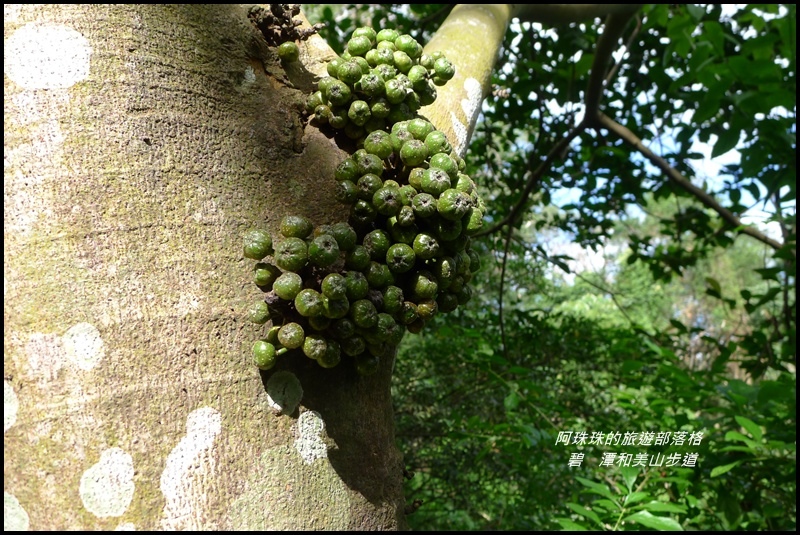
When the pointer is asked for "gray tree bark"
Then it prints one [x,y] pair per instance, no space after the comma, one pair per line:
[141,142]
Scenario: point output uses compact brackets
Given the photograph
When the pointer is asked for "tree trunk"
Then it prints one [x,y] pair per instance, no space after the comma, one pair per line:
[141,142]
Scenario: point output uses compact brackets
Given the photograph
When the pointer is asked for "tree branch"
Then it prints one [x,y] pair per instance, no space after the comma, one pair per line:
[708,200]
[534,178]
[614,26]
[565,13]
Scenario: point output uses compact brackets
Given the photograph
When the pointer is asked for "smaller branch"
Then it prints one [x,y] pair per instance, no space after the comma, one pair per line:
[534,178]
[613,71]
[709,201]
[614,26]
[500,297]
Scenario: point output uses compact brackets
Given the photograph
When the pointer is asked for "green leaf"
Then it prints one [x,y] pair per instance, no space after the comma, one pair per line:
[662,507]
[629,474]
[596,488]
[696,11]
[744,449]
[714,285]
[719,470]
[726,140]
[608,505]
[569,525]
[735,435]
[583,511]
[511,401]
[751,427]
[649,520]
[634,497]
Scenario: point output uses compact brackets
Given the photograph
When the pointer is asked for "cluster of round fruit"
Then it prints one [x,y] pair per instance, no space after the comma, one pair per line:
[381,79]
[355,288]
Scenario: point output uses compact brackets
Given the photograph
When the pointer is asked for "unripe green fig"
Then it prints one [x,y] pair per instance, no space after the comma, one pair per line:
[335,308]
[339,93]
[387,201]
[264,354]
[347,170]
[413,152]
[443,69]
[424,205]
[346,192]
[344,234]
[333,286]
[409,45]
[288,285]
[289,51]
[353,345]
[359,112]
[378,275]
[332,355]
[259,313]
[308,302]
[296,226]
[359,45]
[420,128]
[453,204]
[257,244]
[368,185]
[364,314]
[367,163]
[349,72]
[265,274]
[291,335]
[378,143]
[323,250]
[437,143]
[400,258]
[435,181]
[387,34]
[426,246]
[314,346]
[342,328]
[445,162]
[365,31]
[291,254]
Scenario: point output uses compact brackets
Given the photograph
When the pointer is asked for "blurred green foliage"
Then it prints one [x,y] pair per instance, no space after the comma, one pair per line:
[682,325]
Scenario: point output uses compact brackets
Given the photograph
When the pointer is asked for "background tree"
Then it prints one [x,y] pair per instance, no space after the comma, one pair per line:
[190,131]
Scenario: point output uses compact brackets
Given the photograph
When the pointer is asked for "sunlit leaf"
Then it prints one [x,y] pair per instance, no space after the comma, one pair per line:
[583,511]
[751,427]
[719,470]
[649,520]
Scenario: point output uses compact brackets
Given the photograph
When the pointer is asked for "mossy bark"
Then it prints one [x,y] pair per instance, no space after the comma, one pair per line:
[470,38]
[128,188]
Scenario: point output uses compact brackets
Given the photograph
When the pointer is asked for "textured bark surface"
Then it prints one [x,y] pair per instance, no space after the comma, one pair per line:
[141,142]
[458,102]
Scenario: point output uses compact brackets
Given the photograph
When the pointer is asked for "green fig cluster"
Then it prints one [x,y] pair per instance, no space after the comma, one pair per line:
[352,289]
[381,79]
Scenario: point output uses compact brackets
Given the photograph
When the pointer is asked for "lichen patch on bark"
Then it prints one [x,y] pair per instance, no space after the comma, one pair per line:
[84,345]
[189,467]
[14,516]
[10,406]
[47,56]
[107,488]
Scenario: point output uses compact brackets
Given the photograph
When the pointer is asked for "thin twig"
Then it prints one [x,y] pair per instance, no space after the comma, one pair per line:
[500,298]
[708,200]
[612,30]
[533,180]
